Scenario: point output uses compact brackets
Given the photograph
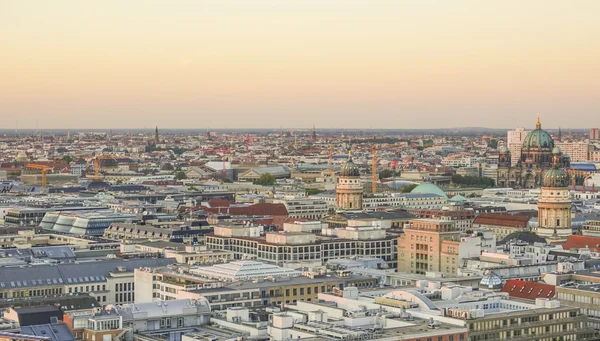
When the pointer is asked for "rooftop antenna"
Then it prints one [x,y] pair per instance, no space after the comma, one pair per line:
[374,170]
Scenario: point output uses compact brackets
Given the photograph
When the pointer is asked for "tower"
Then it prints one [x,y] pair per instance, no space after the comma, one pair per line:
[156,136]
[313,137]
[349,189]
[554,204]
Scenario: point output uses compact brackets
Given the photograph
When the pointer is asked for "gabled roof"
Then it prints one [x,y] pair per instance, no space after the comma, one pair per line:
[502,219]
[579,242]
[529,290]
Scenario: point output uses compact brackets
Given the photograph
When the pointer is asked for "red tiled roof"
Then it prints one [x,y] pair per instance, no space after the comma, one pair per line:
[579,242]
[218,202]
[529,290]
[502,219]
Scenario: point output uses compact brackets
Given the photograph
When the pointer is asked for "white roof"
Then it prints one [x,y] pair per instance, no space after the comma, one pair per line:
[244,270]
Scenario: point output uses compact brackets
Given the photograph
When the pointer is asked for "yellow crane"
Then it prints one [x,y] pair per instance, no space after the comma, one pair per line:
[44,170]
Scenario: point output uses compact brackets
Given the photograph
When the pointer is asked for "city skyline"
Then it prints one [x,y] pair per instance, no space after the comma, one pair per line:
[340,64]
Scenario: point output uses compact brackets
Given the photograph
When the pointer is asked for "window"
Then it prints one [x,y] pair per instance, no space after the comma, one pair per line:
[180,322]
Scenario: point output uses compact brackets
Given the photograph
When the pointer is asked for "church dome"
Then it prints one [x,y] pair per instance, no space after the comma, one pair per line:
[504,150]
[555,178]
[349,169]
[538,138]
[428,188]
[556,151]
[566,156]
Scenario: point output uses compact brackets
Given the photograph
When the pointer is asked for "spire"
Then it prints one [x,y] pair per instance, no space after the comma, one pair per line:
[559,134]
[538,125]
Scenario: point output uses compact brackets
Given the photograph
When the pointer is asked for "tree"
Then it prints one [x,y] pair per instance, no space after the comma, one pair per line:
[474,181]
[265,180]
[227,180]
[387,173]
[493,144]
[68,158]
[314,191]
[180,175]
[408,188]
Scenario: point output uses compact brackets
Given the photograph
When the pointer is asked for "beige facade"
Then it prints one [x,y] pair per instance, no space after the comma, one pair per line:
[554,214]
[428,245]
[349,193]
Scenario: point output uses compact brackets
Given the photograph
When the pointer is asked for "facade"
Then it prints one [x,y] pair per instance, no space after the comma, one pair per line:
[554,206]
[303,248]
[514,142]
[578,151]
[535,159]
[349,189]
[109,281]
[594,134]
[429,245]
[502,224]
[305,208]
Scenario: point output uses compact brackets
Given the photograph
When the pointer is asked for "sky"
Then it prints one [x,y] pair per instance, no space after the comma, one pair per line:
[298,63]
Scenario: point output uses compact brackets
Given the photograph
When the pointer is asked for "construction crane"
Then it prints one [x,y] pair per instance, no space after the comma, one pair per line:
[247,140]
[98,165]
[374,176]
[44,170]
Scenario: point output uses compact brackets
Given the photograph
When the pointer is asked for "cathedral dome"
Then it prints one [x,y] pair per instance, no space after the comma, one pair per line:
[556,151]
[504,150]
[349,169]
[538,138]
[555,178]
[566,156]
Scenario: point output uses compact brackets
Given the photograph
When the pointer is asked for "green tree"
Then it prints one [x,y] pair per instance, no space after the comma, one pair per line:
[387,173]
[227,180]
[180,175]
[67,158]
[408,188]
[314,191]
[473,181]
[265,180]
[493,144]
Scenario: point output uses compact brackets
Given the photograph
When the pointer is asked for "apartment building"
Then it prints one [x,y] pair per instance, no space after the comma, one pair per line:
[429,245]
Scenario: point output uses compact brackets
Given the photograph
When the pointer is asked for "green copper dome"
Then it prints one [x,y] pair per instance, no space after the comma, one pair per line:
[349,169]
[556,151]
[504,150]
[555,178]
[538,138]
[428,188]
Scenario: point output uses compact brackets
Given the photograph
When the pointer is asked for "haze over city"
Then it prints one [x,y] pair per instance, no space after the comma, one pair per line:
[267,64]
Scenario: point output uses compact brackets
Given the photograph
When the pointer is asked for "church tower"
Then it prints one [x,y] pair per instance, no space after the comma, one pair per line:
[156,141]
[554,204]
[349,189]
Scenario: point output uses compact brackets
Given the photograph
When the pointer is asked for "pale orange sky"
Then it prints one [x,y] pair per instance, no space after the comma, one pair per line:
[295,63]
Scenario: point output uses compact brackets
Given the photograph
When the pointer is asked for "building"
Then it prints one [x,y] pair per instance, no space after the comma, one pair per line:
[462,218]
[253,174]
[243,270]
[429,245]
[535,159]
[514,141]
[168,284]
[577,151]
[297,249]
[594,134]
[502,224]
[304,208]
[109,281]
[349,189]
[554,205]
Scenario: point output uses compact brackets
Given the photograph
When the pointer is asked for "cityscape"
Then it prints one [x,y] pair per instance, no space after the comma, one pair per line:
[274,171]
